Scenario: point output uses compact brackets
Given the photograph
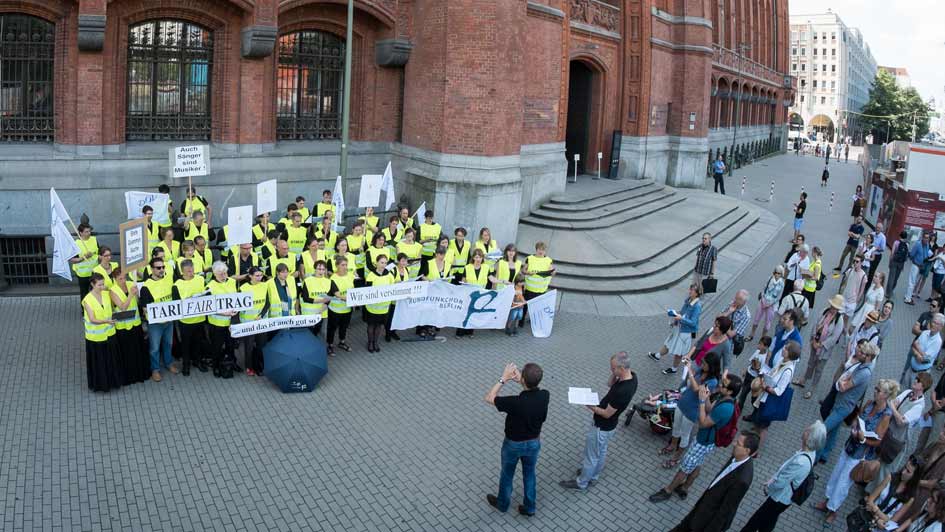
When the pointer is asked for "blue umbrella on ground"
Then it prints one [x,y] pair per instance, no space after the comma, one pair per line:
[295,360]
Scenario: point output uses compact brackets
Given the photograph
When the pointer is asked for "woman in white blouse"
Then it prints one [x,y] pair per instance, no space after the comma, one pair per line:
[875,295]
[768,302]
[776,382]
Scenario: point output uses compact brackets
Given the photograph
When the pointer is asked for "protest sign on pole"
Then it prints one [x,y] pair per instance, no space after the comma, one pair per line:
[239,330]
[393,292]
[266,196]
[338,200]
[240,222]
[541,313]
[370,191]
[58,213]
[387,185]
[448,305]
[189,161]
[198,306]
[133,243]
[135,201]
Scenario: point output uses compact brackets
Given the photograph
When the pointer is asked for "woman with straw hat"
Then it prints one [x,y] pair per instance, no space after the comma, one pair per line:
[824,336]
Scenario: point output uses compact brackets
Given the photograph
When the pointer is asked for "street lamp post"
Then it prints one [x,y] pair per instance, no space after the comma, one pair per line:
[346,98]
[742,48]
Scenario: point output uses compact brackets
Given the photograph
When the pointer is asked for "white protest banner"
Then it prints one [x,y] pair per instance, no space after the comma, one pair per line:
[58,212]
[266,196]
[189,161]
[392,292]
[370,191]
[64,248]
[239,330]
[240,222]
[387,185]
[463,306]
[198,306]
[135,201]
[541,313]
[338,200]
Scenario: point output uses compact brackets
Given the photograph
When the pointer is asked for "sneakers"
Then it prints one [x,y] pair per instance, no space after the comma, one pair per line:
[173,369]
[654,355]
[571,485]
[156,376]
[670,370]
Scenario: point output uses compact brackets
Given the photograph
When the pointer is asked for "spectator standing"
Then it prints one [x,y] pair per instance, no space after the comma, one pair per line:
[780,488]
[775,384]
[718,174]
[797,266]
[623,386]
[815,271]
[824,176]
[683,327]
[768,302]
[845,394]
[757,366]
[892,498]
[824,337]
[879,245]
[738,312]
[799,209]
[858,201]
[872,301]
[706,256]
[846,152]
[853,241]
[525,414]
[706,374]
[918,254]
[797,302]
[854,288]
[923,351]
[897,259]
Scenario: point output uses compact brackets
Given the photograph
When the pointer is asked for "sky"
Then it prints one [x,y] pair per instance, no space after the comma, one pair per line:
[900,33]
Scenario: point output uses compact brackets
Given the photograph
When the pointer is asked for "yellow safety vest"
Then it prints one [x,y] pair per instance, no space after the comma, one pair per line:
[160,290]
[370,221]
[260,234]
[235,262]
[202,261]
[397,236]
[330,240]
[491,248]
[334,262]
[188,289]
[227,249]
[289,261]
[84,268]
[434,273]
[171,252]
[197,206]
[260,293]
[272,253]
[356,244]
[373,279]
[193,231]
[413,252]
[309,263]
[127,324]
[107,275]
[429,231]
[469,272]
[343,284]
[296,238]
[377,252]
[504,274]
[154,235]
[305,214]
[277,307]
[537,283]
[810,285]
[102,311]
[460,256]
[216,287]
[317,287]
[321,208]
[402,277]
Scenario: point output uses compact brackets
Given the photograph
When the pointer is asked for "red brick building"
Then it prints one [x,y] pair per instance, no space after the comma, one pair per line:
[481,104]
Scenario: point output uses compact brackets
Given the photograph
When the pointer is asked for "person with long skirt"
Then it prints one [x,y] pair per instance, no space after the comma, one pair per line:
[105,266]
[313,297]
[221,343]
[435,269]
[253,344]
[377,312]
[357,244]
[412,250]
[401,275]
[475,273]
[101,345]
[538,271]
[339,314]
[341,250]
[135,361]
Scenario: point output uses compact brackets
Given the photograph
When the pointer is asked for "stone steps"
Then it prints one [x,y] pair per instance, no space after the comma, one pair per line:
[637,198]
[655,203]
[568,204]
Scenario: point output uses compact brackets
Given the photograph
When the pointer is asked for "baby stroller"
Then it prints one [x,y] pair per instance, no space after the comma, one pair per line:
[657,410]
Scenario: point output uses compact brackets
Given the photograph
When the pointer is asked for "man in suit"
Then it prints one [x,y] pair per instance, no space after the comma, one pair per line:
[716,508]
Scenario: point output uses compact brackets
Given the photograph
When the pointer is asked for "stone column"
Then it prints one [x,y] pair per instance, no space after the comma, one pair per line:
[89,67]
[257,43]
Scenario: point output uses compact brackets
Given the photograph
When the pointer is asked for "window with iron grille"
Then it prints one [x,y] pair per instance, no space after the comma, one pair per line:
[26,78]
[309,86]
[170,65]
[23,260]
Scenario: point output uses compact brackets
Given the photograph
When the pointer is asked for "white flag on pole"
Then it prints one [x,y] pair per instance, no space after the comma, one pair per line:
[387,185]
[59,213]
[541,313]
[135,201]
[64,248]
[338,200]
[421,213]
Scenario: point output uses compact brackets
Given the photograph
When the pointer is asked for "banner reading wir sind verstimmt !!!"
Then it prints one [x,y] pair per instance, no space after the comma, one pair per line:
[391,292]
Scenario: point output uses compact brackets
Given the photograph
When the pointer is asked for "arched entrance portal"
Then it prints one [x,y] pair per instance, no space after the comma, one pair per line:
[582,135]
[822,125]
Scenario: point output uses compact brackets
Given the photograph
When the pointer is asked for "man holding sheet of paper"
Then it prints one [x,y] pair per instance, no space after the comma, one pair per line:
[623,386]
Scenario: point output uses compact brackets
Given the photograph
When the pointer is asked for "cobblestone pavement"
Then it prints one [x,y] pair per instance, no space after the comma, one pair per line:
[399,440]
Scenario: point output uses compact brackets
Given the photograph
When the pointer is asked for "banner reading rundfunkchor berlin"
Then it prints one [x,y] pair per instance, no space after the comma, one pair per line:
[198,306]
[463,306]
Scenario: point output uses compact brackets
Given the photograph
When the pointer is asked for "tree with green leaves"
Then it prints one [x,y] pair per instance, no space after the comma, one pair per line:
[887,99]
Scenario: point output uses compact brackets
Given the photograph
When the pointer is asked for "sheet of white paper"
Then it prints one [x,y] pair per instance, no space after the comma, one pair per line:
[582,396]
[370,191]
[266,196]
[240,220]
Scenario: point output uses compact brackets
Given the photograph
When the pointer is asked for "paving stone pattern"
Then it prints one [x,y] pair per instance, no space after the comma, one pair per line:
[397,441]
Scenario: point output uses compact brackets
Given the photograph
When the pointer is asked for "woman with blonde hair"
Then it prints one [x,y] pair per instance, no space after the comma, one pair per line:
[768,300]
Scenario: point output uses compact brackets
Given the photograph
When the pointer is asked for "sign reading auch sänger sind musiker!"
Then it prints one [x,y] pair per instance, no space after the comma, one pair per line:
[189,161]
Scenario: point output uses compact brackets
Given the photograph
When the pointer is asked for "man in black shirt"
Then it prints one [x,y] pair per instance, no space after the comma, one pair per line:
[799,209]
[525,414]
[623,386]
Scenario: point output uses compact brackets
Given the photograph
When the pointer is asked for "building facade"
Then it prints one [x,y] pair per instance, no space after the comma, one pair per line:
[835,70]
[481,105]
[900,74]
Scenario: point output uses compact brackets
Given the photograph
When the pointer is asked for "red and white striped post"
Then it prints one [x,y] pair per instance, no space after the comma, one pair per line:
[771,195]
[744,182]
[831,201]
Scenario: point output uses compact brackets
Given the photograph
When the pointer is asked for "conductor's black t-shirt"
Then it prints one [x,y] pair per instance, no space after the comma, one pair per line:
[619,397]
[525,413]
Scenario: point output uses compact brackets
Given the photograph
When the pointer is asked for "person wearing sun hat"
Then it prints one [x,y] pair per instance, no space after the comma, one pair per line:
[866,331]
[825,335]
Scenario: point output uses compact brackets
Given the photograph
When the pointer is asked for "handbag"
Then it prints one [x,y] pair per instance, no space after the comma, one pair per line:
[864,472]
[710,285]
[890,446]
[738,344]
[826,406]
[860,520]
[776,407]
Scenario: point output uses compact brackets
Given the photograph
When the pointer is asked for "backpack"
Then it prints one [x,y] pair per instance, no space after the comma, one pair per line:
[802,492]
[902,253]
[726,435]
[820,280]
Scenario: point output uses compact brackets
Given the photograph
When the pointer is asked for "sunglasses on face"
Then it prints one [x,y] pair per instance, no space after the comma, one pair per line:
[159,267]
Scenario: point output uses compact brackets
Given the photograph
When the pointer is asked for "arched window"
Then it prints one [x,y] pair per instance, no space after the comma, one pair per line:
[309,85]
[170,64]
[26,78]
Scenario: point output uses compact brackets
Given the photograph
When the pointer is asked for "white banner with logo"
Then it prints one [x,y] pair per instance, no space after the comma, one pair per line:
[239,330]
[198,306]
[392,292]
[463,306]
[541,313]
[135,201]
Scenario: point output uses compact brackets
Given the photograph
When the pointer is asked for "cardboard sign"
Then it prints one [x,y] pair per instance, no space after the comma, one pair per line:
[189,161]
[266,196]
[370,191]
[133,242]
[240,222]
